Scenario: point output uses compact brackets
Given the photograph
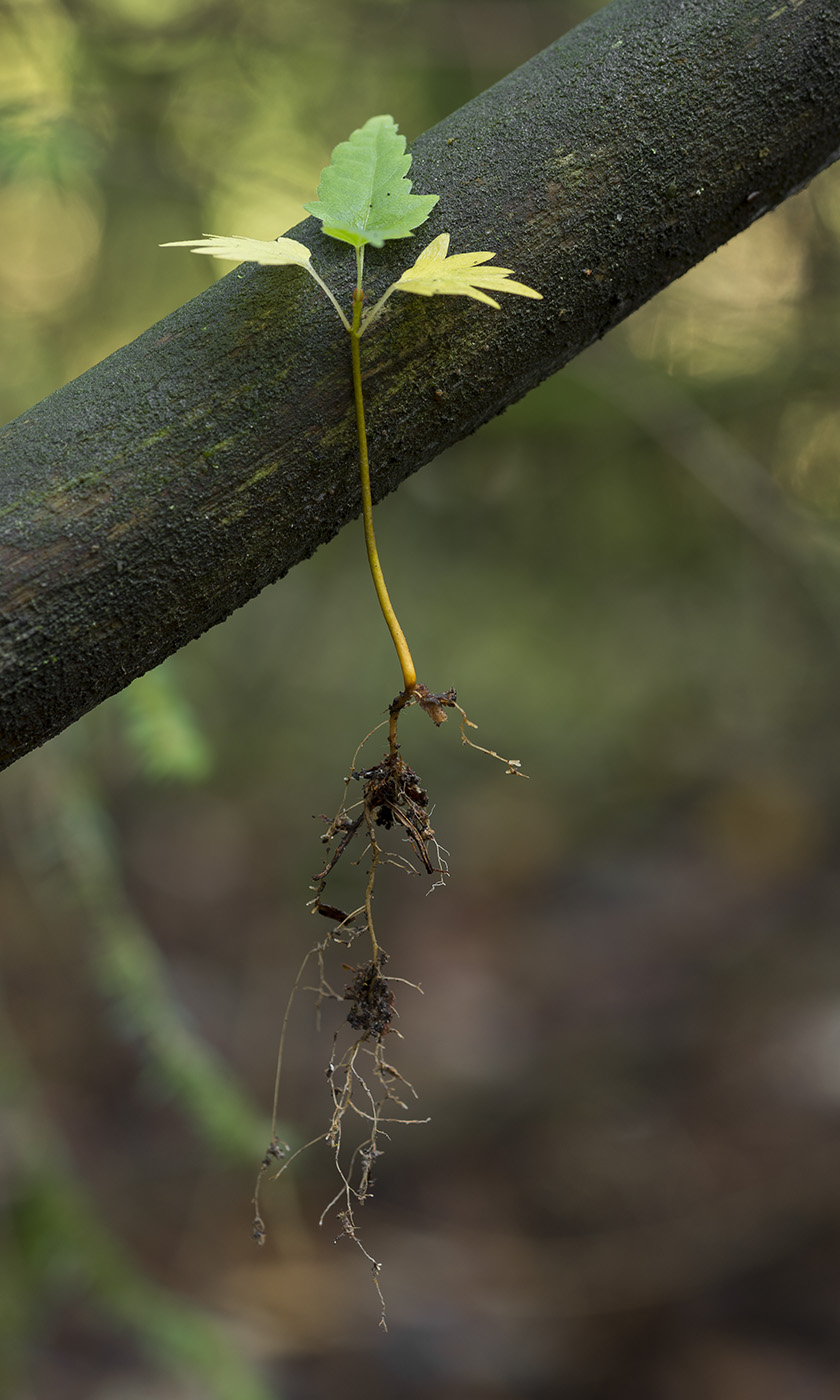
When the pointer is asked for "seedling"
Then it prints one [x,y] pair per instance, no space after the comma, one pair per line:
[365,199]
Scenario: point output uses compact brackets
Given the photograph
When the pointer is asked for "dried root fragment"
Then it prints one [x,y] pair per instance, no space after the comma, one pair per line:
[372,998]
[368,1094]
[392,794]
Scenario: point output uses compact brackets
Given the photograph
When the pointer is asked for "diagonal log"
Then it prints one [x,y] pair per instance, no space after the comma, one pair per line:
[166,486]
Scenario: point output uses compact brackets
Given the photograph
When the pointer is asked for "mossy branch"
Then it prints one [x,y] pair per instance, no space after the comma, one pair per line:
[145,501]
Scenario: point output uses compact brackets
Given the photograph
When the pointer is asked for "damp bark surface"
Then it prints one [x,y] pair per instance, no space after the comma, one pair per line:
[168,485]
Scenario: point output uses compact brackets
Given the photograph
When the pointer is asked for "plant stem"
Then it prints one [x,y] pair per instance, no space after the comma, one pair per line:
[397,635]
[324,288]
[375,312]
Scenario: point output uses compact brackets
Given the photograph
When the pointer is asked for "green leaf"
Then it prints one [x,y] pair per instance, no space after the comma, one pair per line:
[363,196]
[461,275]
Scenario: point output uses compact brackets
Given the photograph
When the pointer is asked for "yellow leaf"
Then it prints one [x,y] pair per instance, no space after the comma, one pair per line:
[460,275]
[279,253]
[282,252]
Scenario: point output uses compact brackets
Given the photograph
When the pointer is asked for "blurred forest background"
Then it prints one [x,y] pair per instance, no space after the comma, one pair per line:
[629,1042]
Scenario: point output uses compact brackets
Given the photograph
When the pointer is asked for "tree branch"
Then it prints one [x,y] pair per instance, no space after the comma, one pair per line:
[146,500]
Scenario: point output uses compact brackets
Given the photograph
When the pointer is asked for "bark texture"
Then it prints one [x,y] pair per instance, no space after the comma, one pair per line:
[165,487]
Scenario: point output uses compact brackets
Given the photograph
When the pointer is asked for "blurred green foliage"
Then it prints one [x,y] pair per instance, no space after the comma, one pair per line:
[631,979]
[162,730]
[56,1253]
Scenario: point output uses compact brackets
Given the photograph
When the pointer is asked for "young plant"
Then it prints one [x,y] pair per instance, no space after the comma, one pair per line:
[365,199]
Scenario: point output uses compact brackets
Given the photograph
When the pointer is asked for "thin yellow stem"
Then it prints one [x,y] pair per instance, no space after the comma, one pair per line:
[397,635]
